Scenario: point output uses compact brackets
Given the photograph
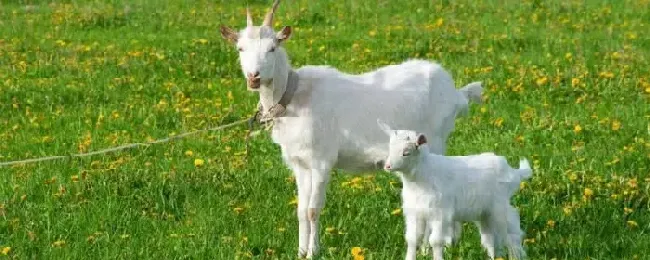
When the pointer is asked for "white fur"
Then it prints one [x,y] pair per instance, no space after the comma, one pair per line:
[441,191]
[330,122]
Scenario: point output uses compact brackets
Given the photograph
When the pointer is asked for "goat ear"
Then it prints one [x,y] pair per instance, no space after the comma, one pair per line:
[283,34]
[384,127]
[421,139]
[229,34]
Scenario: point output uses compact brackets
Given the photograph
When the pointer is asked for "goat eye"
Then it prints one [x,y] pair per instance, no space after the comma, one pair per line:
[272,49]
[240,49]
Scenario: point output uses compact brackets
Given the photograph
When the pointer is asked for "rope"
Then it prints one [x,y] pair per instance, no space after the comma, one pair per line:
[127,146]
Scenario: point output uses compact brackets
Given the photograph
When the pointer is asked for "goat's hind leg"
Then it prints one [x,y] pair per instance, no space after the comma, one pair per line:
[424,242]
[303,182]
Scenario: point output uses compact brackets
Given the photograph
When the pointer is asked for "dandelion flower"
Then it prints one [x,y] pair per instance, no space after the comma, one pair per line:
[58,243]
[6,250]
[189,153]
[498,122]
[616,125]
[632,224]
[357,253]
[439,22]
[627,210]
[199,162]
[550,223]
[606,75]
[575,82]
[577,129]
[588,192]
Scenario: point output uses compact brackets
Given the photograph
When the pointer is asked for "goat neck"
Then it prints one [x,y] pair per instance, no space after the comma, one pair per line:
[271,91]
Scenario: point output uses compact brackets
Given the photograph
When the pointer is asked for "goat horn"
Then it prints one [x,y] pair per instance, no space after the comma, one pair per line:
[249,18]
[268,20]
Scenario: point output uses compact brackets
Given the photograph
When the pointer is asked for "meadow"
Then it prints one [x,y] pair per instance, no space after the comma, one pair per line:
[567,84]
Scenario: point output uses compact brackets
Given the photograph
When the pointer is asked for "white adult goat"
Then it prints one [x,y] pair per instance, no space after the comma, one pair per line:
[330,120]
[441,191]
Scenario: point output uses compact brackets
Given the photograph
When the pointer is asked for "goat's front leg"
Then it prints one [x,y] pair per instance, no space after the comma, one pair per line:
[439,233]
[319,180]
[303,181]
[413,233]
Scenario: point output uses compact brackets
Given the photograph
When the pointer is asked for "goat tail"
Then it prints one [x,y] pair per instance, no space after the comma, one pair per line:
[473,92]
[524,171]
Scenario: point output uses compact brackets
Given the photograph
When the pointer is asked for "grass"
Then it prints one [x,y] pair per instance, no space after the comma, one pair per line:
[567,85]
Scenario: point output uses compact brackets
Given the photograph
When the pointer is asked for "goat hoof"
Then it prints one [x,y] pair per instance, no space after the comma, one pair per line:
[312,253]
[424,250]
[302,253]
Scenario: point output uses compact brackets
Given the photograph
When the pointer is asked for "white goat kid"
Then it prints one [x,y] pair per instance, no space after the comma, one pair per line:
[441,191]
[325,119]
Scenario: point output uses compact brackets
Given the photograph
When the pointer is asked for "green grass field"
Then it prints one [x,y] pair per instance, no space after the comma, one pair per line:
[567,85]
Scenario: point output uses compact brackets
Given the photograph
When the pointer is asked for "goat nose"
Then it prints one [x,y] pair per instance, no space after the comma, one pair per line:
[387,166]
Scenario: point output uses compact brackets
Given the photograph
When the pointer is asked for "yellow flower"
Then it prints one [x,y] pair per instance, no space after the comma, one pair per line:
[627,210]
[567,210]
[189,153]
[6,250]
[396,211]
[568,56]
[550,223]
[330,229]
[632,223]
[357,253]
[541,81]
[372,33]
[238,210]
[588,192]
[439,22]
[577,129]
[616,125]
[575,82]
[606,75]
[58,243]
[199,162]
[498,122]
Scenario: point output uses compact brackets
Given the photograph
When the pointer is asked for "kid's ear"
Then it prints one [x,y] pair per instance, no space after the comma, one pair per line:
[384,127]
[421,140]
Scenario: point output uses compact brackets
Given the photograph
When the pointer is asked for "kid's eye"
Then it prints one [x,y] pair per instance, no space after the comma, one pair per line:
[406,153]
[240,49]
[272,49]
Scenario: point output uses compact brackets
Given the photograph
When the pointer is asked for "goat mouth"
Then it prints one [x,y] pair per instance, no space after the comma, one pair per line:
[253,83]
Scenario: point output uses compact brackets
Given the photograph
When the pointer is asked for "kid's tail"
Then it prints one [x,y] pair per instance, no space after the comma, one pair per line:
[524,171]
[473,92]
